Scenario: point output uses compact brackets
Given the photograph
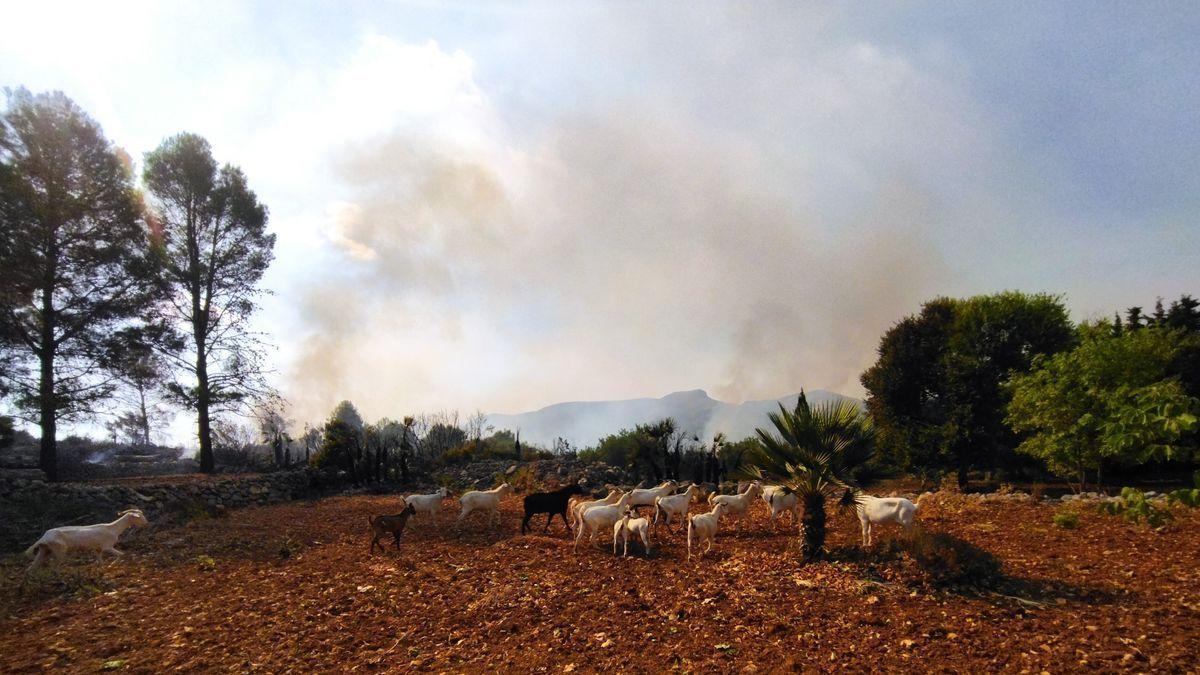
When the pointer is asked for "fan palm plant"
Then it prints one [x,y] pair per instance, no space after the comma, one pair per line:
[813,452]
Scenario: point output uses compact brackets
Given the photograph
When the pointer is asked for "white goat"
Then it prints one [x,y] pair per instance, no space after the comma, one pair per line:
[674,505]
[579,507]
[779,501]
[483,500]
[646,496]
[703,528]
[430,503]
[628,528]
[599,518]
[881,511]
[738,505]
[103,537]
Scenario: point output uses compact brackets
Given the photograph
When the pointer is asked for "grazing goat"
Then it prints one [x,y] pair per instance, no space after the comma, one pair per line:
[628,528]
[646,496]
[882,510]
[550,503]
[103,537]
[430,503]
[674,505]
[703,528]
[483,500]
[578,508]
[738,505]
[382,526]
[779,500]
[598,518]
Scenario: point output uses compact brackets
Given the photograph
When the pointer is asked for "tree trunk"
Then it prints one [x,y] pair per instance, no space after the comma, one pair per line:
[207,461]
[48,451]
[963,477]
[812,527]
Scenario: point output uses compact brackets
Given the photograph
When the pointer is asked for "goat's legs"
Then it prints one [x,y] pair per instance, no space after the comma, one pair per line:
[866,532]
[566,524]
[549,517]
[525,522]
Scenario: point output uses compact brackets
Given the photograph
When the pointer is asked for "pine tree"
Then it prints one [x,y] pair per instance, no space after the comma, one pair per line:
[1160,316]
[1184,314]
[75,260]
[1133,318]
[217,249]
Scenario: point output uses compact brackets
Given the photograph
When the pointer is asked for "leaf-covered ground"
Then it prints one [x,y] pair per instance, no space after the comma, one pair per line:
[292,588]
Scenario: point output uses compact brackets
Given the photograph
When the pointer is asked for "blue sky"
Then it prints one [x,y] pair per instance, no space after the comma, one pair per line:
[501,206]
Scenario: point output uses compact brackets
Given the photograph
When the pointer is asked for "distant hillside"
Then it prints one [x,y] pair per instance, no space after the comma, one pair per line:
[585,422]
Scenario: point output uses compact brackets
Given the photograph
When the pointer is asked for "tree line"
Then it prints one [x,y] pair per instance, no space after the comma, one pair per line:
[115,288]
[1006,382]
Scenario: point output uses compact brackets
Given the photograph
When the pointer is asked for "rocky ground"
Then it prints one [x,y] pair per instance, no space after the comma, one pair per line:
[292,588]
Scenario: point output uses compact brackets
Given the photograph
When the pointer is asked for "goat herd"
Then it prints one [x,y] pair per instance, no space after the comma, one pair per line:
[617,512]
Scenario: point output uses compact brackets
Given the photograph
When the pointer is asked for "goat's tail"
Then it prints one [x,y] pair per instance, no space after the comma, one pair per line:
[711,496]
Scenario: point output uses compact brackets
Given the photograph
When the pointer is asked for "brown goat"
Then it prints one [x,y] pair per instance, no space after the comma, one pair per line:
[382,526]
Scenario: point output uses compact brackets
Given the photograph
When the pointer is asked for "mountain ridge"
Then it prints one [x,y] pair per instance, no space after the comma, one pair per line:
[583,423]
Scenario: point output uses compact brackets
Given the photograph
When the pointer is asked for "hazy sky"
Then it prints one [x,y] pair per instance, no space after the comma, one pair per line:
[506,206]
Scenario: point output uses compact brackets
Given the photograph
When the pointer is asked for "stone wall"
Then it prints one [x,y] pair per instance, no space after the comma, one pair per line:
[30,507]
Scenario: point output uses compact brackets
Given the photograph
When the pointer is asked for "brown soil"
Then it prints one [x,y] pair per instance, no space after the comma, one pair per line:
[292,588]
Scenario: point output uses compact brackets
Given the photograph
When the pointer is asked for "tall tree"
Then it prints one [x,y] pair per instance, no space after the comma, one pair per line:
[217,249]
[937,391]
[75,259]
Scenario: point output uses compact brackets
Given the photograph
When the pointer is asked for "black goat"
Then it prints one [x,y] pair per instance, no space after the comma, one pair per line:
[550,503]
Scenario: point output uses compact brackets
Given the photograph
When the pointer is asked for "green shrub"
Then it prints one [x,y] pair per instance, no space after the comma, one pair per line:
[949,560]
[1066,519]
[1187,496]
[1133,506]
[522,480]
[459,455]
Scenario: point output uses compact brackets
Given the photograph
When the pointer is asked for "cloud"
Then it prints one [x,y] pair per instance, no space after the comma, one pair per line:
[624,250]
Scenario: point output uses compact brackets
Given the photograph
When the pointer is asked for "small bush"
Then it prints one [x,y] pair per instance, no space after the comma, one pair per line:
[1066,519]
[1133,506]
[949,560]
[1187,496]
[523,479]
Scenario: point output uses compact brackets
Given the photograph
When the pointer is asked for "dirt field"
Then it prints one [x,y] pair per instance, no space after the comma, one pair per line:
[292,589]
